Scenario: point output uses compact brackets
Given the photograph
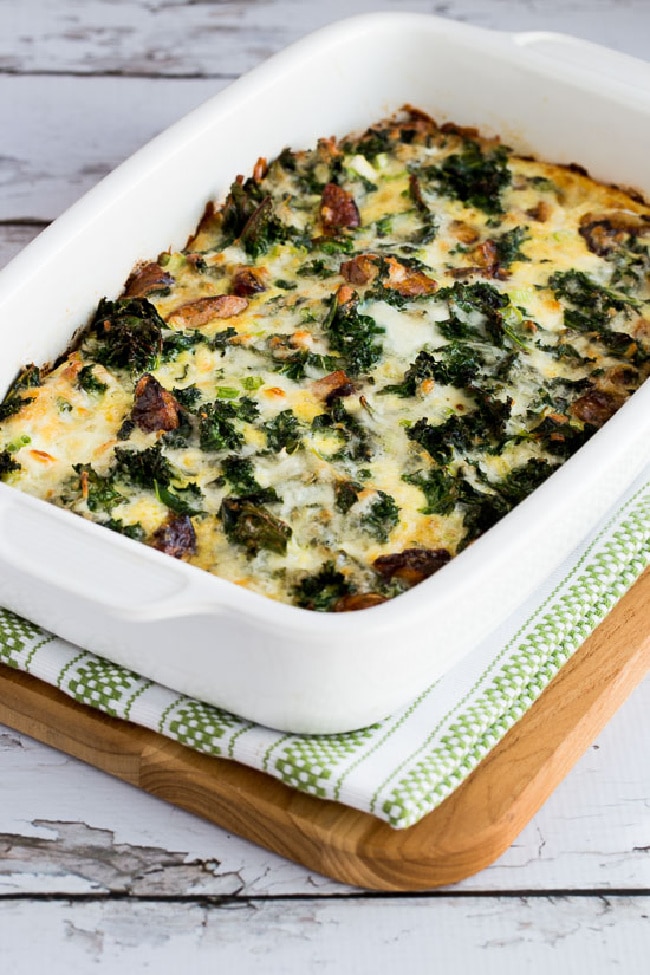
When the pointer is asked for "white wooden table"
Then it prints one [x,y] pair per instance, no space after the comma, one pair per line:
[92,872]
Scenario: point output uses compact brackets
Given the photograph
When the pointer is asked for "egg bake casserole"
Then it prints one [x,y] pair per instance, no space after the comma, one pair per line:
[362,360]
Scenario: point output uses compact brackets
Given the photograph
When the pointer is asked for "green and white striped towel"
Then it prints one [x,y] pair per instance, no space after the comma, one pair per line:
[403,767]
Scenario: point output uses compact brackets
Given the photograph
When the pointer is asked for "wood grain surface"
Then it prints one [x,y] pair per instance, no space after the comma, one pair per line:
[463,835]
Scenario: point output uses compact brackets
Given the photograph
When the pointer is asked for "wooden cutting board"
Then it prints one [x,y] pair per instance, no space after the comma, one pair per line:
[466,833]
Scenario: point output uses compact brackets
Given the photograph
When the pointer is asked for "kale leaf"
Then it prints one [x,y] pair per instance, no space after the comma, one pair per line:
[346,494]
[240,474]
[592,304]
[100,491]
[7,464]
[381,517]
[183,501]
[484,427]
[253,527]
[474,177]
[145,468]
[216,428]
[322,590]
[439,488]
[248,217]
[356,441]
[353,335]
[283,431]
[457,365]
[129,333]
[88,381]
[27,378]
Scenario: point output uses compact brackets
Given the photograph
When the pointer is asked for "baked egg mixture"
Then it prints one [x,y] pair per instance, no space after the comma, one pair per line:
[363,359]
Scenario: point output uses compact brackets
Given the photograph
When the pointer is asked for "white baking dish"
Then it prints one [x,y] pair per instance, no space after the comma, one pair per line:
[559,98]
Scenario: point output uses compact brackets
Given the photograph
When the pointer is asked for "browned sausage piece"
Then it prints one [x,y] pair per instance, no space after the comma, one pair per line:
[155,408]
[197,313]
[176,537]
[334,386]
[338,209]
[604,232]
[359,600]
[248,281]
[597,406]
[412,565]
[361,269]
[464,232]
[407,281]
[146,279]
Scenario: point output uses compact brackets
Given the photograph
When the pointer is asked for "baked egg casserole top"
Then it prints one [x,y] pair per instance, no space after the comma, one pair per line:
[362,359]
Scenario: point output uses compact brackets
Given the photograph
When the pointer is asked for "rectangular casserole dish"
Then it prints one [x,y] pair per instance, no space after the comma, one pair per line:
[289,668]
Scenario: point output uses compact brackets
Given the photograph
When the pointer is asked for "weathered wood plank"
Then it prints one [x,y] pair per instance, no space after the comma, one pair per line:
[224,39]
[96,835]
[493,936]
[13,237]
[61,135]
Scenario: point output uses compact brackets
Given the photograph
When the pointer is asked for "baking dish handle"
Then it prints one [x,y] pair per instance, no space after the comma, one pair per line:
[45,551]
[584,57]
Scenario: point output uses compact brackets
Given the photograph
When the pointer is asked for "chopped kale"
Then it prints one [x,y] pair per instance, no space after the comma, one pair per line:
[100,491]
[246,409]
[439,488]
[561,438]
[181,435]
[88,381]
[346,494]
[321,592]
[508,246]
[481,511]
[240,474]
[253,527]
[564,350]
[381,517]
[129,333]
[134,531]
[7,464]
[27,378]
[631,264]
[484,427]
[334,245]
[221,340]
[126,429]
[189,397]
[353,335]
[372,143]
[523,480]
[457,365]
[146,468]
[283,432]
[592,304]
[465,301]
[317,268]
[176,342]
[248,217]
[183,501]
[216,429]
[295,365]
[285,285]
[356,441]
[474,177]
